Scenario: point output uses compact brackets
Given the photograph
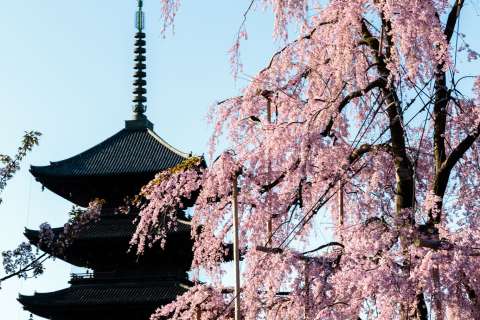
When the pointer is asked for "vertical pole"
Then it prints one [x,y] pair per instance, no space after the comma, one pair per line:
[269,110]
[269,222]
[269,231]
[380,47]
[199,313]
[341,209]
[236,251]
[307,288]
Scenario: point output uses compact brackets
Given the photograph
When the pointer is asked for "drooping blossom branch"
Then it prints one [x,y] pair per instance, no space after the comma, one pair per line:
[10,165]
[169,9]
[162,199]
[23,263]
[201,303]
[26,262]
[80,220]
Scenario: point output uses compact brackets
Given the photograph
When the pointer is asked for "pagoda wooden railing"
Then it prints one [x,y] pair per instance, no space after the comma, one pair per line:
[125,275]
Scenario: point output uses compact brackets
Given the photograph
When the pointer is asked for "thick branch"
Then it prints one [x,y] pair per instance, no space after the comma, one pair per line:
[274,183]
[403,166]
[472,296]
[366,148]
[421,307]
[452,19]
[435,244]
[379,83]
[444,165]
[440,118]
[442,94]
[330,244]
[443,175]
[303,256]
[307,36]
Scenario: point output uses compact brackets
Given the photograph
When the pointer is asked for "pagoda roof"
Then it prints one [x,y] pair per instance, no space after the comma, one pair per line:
[112,234]
[133,150]
[98,295]
[108,227]
[111,293]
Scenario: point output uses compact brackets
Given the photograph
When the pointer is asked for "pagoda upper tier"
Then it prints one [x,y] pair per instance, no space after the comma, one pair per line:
[113,169]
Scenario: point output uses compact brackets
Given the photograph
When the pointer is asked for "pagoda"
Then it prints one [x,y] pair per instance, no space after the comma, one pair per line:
[121,284]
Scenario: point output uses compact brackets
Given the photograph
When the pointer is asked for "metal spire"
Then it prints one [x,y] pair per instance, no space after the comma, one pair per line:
[139,83]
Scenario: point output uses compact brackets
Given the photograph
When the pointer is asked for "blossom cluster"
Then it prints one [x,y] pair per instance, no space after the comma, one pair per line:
[80,220]
[325,141]
[164,200]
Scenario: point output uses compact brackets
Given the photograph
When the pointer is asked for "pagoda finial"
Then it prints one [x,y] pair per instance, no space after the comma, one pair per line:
[139,83]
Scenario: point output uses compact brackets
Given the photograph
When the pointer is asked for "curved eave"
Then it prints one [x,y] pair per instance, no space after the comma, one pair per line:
[128,152]
[34,235]
[79,298]
[169,146]
[86,250]
[165,289]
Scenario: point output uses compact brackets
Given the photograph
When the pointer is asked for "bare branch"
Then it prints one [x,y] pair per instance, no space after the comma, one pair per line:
[330,244]
[307,36]
[29,267]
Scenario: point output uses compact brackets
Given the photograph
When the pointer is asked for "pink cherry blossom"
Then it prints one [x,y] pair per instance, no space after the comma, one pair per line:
[357,129]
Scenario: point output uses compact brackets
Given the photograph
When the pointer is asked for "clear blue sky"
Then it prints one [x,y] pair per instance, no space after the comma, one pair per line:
[66,70]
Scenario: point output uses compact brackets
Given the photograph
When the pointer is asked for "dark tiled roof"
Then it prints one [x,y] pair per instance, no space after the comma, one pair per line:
[108,227]
[130,151]
[107,294]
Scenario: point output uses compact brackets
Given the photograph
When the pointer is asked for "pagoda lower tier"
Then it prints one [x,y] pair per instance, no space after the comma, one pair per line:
[108,296]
